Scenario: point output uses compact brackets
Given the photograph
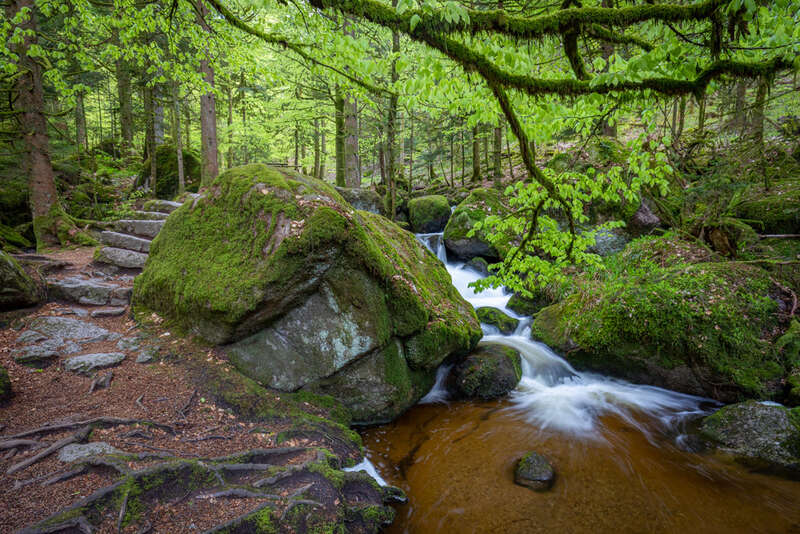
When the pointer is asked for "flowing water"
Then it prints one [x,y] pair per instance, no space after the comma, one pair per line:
[622,452]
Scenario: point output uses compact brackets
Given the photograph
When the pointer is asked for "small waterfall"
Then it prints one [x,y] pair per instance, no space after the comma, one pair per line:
[551,393]
[369,468]
[438,392]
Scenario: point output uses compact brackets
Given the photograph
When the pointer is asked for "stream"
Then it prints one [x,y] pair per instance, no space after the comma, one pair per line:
[624,454]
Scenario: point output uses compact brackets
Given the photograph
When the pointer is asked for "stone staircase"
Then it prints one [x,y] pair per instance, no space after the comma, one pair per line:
[128,245]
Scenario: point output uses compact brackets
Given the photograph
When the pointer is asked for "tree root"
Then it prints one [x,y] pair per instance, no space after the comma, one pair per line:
[101,381]
[77,437]
[96,421]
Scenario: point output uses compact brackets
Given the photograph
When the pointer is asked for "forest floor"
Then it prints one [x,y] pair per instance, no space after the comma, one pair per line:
[149,412]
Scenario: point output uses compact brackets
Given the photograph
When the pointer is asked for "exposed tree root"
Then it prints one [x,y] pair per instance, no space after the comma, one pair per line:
[94,422]
[77,437]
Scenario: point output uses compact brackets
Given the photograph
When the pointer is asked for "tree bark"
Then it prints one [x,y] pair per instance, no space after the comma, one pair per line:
[391,129]
[208,112]
[476,155]
[158,117]
[316,150]
[411,154]
[176,130]
[323,153]
[125,107]
[150,135]
[510,161]
[498,151]
[81,139]
[338,104]
[351,157]
[229,162]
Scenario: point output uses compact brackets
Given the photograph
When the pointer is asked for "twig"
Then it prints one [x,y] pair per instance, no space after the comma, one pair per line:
[139,402]
[122,510]
[89,422]
[182,411]
[78,436]
[10,454]
[206,438]
[779,236]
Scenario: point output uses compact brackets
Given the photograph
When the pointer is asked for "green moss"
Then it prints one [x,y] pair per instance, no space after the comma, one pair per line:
[488,373]
[480,203]
[11,240]
[167,171]
[58,228]
[712,316]
[495,317]
[5,385]
[773,211]
[428,213]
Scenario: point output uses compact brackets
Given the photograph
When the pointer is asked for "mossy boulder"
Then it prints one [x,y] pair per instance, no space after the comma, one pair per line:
[490,372]
[534,471]
[167,171]
[703,328]
[307,291]
[363,198]
[17,288]
[528,306]
[496,318]
[480,203]
[5,385]
[428,214]
[11,240]
[773,211]
[762,436]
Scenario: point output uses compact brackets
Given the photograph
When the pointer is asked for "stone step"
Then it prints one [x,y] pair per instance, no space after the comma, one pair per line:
[129,242]
[139,227]
[89,292]
[121,257]
[163,206]
[150,215]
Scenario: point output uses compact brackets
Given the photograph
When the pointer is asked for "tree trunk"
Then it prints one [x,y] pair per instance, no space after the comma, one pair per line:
[81,141]
[317,174]
[176,131]
[739,106]
[391,128]
[323,153]
[229,162]
[463,156]
[757,127]
[352,174]
[187,121]
[158,117]
[208,112]
[150,136]
[701,115]
[382,161]
[452,159]
[476,155]
[51,225]
[510,161]
[411,155]
[681,117]
[303,155]
[338,104]
[125,107]
[498,152]
[606,51]
[296,148]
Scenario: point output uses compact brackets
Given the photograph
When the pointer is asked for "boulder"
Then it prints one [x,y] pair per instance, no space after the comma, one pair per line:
[85,291]
[701,328]
[306,291]
[72,329]
[534,471]
[776,211]
[362,198]
[86,363]
[5,385]
[167,171]
[643,221]
[428,214]
[474,208]
[17,289]
[528,306]
[495,317]
[761,435]
[488,373]
[479,265]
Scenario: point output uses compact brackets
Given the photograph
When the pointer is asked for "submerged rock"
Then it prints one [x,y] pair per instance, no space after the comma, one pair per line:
[495,317]
[428,214]
[17,289]
[534,471]
[489,372]
[475,208]
[307,291]
[763,436]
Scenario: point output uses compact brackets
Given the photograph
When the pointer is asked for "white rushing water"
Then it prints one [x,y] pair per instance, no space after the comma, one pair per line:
[551,393]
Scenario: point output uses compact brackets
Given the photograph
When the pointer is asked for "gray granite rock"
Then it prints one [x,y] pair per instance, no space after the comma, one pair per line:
[89,362]
[91,292]
[128,343]
[121,257]
[130,242]
[535,472]
[147,354]
[108,312]
[79,451]
[68,328]
[143,228]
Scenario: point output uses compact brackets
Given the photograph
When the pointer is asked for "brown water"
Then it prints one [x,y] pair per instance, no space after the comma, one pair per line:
[456,464]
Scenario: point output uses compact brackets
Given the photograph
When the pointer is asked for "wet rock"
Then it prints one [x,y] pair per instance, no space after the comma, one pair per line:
[475,208]
[68,328]
[527,306]
[762,435]
[17,289]
[79,451]
[480,265]
[429,213]
[108,312]
[490,372]
[89,362]
[495,317]
[90,292]
[534,471]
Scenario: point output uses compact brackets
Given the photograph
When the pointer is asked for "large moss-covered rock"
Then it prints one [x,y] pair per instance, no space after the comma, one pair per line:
[764,436]
[773,211]
[17,289]
[479,204]
[362,198]
[498,319]
[702,328]
[428,213]
[488,373]
[167,171]
[308,292]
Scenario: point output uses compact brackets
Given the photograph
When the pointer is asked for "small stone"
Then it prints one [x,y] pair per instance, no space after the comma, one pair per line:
[535,472]
[79,451]
[147,355]
[128,343]
[108,312]
[89,362]
[498,319]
